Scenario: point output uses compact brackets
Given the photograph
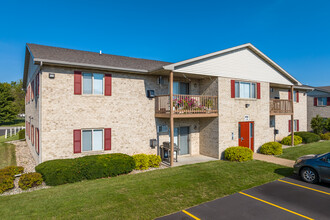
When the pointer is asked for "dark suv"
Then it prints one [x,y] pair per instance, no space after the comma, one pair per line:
[313,168]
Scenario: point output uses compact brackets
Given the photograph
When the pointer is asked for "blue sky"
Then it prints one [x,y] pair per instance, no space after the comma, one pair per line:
[295,34]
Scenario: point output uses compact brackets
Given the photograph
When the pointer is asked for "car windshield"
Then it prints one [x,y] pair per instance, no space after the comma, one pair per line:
[321,155]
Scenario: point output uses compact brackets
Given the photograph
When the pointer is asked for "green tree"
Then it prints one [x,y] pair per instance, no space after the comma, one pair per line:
[8,111]
[327,124]
[19,96]
[318,124]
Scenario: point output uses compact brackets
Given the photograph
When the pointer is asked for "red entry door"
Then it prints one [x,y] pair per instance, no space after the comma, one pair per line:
[246,134]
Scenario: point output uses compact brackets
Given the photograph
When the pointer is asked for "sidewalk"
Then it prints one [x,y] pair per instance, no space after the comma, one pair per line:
[273,159]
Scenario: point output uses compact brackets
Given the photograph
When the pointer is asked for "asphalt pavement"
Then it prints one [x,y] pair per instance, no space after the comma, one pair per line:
[287,198]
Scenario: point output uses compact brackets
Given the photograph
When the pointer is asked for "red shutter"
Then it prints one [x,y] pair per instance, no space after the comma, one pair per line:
[107,84]
[289,94]
[289,125]
[315,101]
[233,88]
[258,91]
[77,82]
[297,125]
[297,93]
[107,139]
[76,141]
[328,101]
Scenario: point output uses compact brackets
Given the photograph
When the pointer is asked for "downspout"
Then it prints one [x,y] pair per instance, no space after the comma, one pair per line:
[40,115]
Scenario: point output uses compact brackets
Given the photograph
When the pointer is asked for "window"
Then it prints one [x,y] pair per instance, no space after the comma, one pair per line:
[245,90]
[295,96]
[295,125]
[322,101]
[93,83]
[180,88]
[92,140]
[272,121]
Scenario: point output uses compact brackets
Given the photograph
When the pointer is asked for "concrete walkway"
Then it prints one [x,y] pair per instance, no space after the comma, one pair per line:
[273,159]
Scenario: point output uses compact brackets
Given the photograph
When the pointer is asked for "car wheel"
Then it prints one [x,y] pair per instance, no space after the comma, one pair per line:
[309,175]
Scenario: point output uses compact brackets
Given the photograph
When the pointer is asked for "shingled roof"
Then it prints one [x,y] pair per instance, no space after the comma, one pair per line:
[63,55]
[326,88]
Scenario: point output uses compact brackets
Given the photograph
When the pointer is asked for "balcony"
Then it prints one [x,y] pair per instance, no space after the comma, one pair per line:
[186,106]
[280,107]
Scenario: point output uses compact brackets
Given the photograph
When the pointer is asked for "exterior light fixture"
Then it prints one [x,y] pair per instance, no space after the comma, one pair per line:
[247,105]
[51,75]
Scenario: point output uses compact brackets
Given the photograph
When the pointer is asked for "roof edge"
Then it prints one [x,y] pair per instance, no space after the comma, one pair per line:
[64,63]
[247,45]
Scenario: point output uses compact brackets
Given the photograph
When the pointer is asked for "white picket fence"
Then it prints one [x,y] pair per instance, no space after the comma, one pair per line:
[12,131]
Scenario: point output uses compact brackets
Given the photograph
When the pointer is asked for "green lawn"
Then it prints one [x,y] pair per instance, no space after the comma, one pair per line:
[16,123]
[7,155]
[293,153]
[12,138]
[144,195]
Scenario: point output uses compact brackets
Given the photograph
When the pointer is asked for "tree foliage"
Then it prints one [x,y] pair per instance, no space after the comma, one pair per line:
[8,111]
[19,95]
[327,125]
[318,124]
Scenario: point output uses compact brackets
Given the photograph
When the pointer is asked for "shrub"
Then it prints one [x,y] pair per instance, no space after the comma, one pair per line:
[21,134]
[325,136]
[57,172]
[238,154]
[318,124]
[141,161]
[287,140]
[327,124]
[30,180]
[308,137]
[6,182]
[154,160]
[271,148]
[11,170]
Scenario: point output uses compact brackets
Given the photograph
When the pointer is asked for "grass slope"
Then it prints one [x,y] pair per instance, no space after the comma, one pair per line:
[15,123]
[12,138]
[7,155]
[144,195]
[293,153]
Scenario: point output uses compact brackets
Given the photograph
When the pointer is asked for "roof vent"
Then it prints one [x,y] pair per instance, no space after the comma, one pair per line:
[100,52]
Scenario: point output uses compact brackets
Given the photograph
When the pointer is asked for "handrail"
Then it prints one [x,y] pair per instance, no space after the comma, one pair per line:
[280,106]
[187,104]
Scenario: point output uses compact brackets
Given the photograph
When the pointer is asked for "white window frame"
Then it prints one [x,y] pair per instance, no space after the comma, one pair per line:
[88,129]
[103,84]
[239,93]
[321,104]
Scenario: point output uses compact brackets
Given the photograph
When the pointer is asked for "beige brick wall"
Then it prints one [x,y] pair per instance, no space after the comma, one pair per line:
[128,112]
[209,127]
[312,111]
[32,110]
[300,113]
[232,111]
[131,115]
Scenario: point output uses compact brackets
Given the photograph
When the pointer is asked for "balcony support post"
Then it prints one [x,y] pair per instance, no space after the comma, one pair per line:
[292,118]
[171,119]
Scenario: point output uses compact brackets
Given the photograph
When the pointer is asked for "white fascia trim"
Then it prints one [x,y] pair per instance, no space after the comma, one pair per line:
[65,63]
[248,45]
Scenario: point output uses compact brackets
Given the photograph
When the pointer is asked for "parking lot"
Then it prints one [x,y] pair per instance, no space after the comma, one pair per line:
[287,198]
